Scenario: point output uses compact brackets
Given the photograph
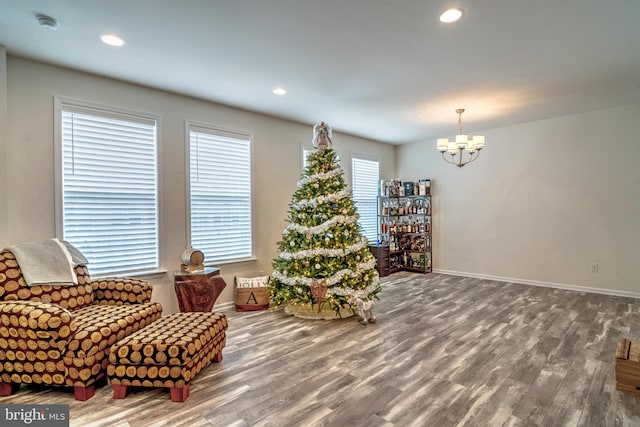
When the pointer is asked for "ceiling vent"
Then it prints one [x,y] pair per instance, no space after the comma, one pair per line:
[47,22]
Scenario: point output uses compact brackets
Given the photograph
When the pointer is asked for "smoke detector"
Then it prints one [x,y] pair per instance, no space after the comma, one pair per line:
[47,22]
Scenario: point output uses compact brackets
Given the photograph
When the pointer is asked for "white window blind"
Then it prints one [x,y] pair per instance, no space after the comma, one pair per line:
[365,178]
[220,193]
[109,189]
[306,150]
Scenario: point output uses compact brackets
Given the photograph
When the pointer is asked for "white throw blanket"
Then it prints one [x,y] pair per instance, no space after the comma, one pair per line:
[48,262]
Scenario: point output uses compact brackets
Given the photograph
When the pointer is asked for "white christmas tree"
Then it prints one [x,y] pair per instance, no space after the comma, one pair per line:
[324,262]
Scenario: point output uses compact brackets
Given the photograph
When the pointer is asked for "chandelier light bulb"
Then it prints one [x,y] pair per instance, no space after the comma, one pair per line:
[478,141]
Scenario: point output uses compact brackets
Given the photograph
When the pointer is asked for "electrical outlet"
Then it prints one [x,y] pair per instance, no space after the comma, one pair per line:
[593,267]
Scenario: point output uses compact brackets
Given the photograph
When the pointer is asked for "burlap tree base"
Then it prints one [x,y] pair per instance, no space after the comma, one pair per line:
[306,311]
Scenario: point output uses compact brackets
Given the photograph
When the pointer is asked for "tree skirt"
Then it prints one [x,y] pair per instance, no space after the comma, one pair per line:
[311,312]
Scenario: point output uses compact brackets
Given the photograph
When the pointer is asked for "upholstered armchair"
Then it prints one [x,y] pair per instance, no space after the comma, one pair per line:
[60,335]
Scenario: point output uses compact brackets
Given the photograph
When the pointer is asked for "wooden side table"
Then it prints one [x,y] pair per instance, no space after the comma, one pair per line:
[198,291]
[381,254]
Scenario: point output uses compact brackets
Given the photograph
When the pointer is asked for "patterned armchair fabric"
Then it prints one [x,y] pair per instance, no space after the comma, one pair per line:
[61,335]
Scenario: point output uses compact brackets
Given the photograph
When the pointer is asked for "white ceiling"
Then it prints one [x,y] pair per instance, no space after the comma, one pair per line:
[381,69]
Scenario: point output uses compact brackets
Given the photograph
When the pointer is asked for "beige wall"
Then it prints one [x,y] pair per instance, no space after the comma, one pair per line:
[276,160]
[543,201]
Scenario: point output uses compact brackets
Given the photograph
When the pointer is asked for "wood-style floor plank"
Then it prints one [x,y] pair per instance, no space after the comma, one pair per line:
[446,351]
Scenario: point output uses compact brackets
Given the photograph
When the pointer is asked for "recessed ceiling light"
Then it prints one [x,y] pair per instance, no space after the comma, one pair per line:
[451,15]
[112,40]
[279,91]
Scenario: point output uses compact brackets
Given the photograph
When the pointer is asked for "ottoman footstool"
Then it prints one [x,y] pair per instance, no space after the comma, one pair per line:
[167,353]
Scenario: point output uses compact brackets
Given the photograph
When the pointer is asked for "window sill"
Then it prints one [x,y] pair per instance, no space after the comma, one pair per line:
[145,275]
[215,263]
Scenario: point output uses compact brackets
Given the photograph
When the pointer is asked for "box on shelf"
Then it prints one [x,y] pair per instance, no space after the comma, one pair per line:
[408,188]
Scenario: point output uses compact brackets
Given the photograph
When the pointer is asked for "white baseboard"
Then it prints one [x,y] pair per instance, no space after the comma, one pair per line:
[224,306]
[544,284]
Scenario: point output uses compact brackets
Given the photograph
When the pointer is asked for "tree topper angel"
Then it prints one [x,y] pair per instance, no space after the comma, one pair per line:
[322,135]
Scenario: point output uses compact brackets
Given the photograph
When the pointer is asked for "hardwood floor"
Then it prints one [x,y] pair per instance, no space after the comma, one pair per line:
[446,351]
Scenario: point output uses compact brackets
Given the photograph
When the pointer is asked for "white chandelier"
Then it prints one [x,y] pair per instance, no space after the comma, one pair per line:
[461,145]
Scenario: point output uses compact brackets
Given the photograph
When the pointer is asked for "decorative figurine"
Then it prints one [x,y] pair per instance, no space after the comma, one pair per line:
[365,310]
[322,135]
[319,290]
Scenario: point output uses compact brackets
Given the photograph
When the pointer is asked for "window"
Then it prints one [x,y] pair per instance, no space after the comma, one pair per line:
[108,187]
[220,193]
[306,150]
[365,178]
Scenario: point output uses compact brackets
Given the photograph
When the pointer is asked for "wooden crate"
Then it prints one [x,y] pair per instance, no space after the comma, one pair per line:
[628,366]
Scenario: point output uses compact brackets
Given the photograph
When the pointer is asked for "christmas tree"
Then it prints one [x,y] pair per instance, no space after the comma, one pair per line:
[324,262]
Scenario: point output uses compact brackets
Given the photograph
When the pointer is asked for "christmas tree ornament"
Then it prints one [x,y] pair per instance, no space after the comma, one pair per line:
[319,290]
